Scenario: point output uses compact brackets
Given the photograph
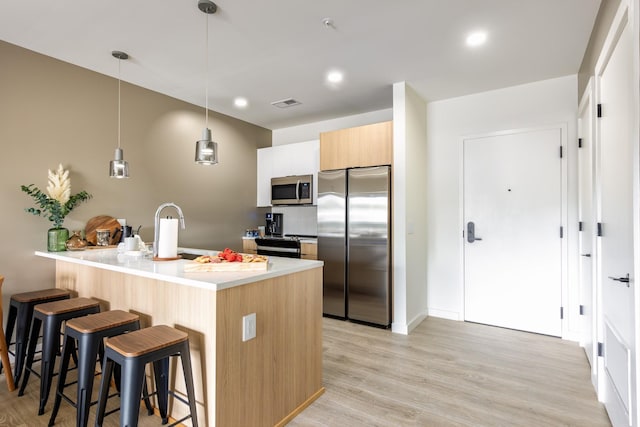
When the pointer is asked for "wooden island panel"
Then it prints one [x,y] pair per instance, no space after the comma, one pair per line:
[262,382]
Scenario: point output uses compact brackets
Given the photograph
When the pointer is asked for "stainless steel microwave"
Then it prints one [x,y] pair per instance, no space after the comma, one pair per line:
[292,190]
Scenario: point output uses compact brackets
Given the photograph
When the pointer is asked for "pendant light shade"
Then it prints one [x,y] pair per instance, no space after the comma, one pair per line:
[206,149]
[118,167]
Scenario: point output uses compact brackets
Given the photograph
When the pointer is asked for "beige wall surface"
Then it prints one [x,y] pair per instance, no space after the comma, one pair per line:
[606,13]
[53,112]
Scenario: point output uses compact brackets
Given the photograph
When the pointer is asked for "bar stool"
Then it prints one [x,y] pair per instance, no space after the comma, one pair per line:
[21,308]
[4,349]
[51,315]
[87,334]
[132,352]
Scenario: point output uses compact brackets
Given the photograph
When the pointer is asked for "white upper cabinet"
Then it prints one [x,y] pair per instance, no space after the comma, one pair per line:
[283,160]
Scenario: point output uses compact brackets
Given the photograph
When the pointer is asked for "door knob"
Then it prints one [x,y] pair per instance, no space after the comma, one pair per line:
[471,232]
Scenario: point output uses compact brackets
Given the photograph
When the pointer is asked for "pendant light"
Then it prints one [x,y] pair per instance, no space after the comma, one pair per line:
[206,149]
[118,167]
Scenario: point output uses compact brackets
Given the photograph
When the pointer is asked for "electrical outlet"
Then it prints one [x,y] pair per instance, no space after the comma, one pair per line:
[248,327]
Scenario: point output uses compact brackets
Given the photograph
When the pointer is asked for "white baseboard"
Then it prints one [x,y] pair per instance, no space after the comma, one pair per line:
[445,314]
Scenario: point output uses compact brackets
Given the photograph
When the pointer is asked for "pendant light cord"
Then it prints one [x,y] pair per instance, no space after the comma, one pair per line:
[206,76]
[119,61]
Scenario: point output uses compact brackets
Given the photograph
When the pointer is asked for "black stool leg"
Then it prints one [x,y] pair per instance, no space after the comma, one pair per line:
[132,379]
[185,355]
[35,330]
[161,373]
[25,314]
[88,351]
[67,349]
[107,371]
[50,345]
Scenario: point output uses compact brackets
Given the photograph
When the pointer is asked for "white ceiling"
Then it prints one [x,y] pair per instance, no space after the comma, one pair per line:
[270,50]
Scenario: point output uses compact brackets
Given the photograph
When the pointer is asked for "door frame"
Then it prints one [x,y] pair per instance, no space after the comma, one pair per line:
[564,292]
[588,100]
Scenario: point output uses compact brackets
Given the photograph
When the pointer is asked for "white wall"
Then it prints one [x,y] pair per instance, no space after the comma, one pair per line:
[409,209]
[548,102]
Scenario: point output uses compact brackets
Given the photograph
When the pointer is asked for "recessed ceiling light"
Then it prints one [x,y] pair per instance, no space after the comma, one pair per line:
[240,102]
[476,38]
[335,77]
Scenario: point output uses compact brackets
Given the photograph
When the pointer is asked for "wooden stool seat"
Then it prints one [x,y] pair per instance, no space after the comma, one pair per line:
[132,352]
[20,317]
[50,316]
[146,340]
[40,296]
[4,348]
[101,321]
[87,333]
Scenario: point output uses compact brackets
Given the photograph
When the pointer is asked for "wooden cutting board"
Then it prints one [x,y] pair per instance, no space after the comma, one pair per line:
[103,222]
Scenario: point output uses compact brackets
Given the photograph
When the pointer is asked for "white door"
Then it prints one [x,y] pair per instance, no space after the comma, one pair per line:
[587,233]
[616,219]
[513,200]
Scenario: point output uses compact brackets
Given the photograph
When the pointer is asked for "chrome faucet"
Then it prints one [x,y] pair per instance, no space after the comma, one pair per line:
[156,233]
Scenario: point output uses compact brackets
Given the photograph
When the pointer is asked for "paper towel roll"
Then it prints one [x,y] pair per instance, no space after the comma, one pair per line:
[168,238]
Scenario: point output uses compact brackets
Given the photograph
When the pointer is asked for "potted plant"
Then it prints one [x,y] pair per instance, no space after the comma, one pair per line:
[55,206]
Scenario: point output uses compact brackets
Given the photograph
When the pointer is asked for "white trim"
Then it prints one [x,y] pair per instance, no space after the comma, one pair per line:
[563,126]
[446,314]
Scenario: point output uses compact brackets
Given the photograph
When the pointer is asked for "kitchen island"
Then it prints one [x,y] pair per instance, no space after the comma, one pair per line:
[264,381]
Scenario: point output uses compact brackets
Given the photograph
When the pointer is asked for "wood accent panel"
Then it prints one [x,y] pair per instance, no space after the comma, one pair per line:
[4,348]
[369,145]
[249,246]
[309,250]
[281,368]
[259,382]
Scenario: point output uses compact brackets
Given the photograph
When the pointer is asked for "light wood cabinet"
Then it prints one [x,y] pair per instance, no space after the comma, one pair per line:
[309,250]
[249,246]
[369,145]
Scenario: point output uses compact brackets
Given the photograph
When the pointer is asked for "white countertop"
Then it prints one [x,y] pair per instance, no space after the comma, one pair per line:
[173,271]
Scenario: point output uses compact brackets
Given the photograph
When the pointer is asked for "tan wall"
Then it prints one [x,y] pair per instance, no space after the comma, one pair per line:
[53,112]
[606,13]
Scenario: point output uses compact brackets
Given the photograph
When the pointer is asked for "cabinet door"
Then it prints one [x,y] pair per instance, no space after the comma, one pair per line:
[264,173]
[249,246]
[309,250]
[370,145]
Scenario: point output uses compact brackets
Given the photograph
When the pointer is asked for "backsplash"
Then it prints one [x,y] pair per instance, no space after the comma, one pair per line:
[298,219]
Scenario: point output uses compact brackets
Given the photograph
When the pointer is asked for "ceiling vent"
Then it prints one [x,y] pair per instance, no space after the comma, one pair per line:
[286,103]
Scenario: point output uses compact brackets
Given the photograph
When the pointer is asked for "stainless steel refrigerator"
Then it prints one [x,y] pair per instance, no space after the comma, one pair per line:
[354,217]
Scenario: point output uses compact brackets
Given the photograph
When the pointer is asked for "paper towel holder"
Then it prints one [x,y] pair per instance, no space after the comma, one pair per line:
[156,231]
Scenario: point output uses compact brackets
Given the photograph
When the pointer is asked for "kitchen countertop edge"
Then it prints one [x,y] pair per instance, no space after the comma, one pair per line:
[173,271]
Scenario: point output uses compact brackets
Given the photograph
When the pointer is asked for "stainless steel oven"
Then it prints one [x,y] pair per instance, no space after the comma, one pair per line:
[292,190]
[279,246]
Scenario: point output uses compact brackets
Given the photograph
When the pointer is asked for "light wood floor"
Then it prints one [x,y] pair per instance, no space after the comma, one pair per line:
[445,373]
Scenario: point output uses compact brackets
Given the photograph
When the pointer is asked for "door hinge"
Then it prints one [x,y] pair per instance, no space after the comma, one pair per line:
[561,151]
[579,142]
[599,229]
[600,349]
[579,225]
[561,232]
[561,312]
[599,110]
[581,310]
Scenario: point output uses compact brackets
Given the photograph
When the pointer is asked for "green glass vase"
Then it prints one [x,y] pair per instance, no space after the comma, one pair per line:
[56,239]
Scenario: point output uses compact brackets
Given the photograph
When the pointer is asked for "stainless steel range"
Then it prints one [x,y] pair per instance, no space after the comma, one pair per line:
[279,246]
